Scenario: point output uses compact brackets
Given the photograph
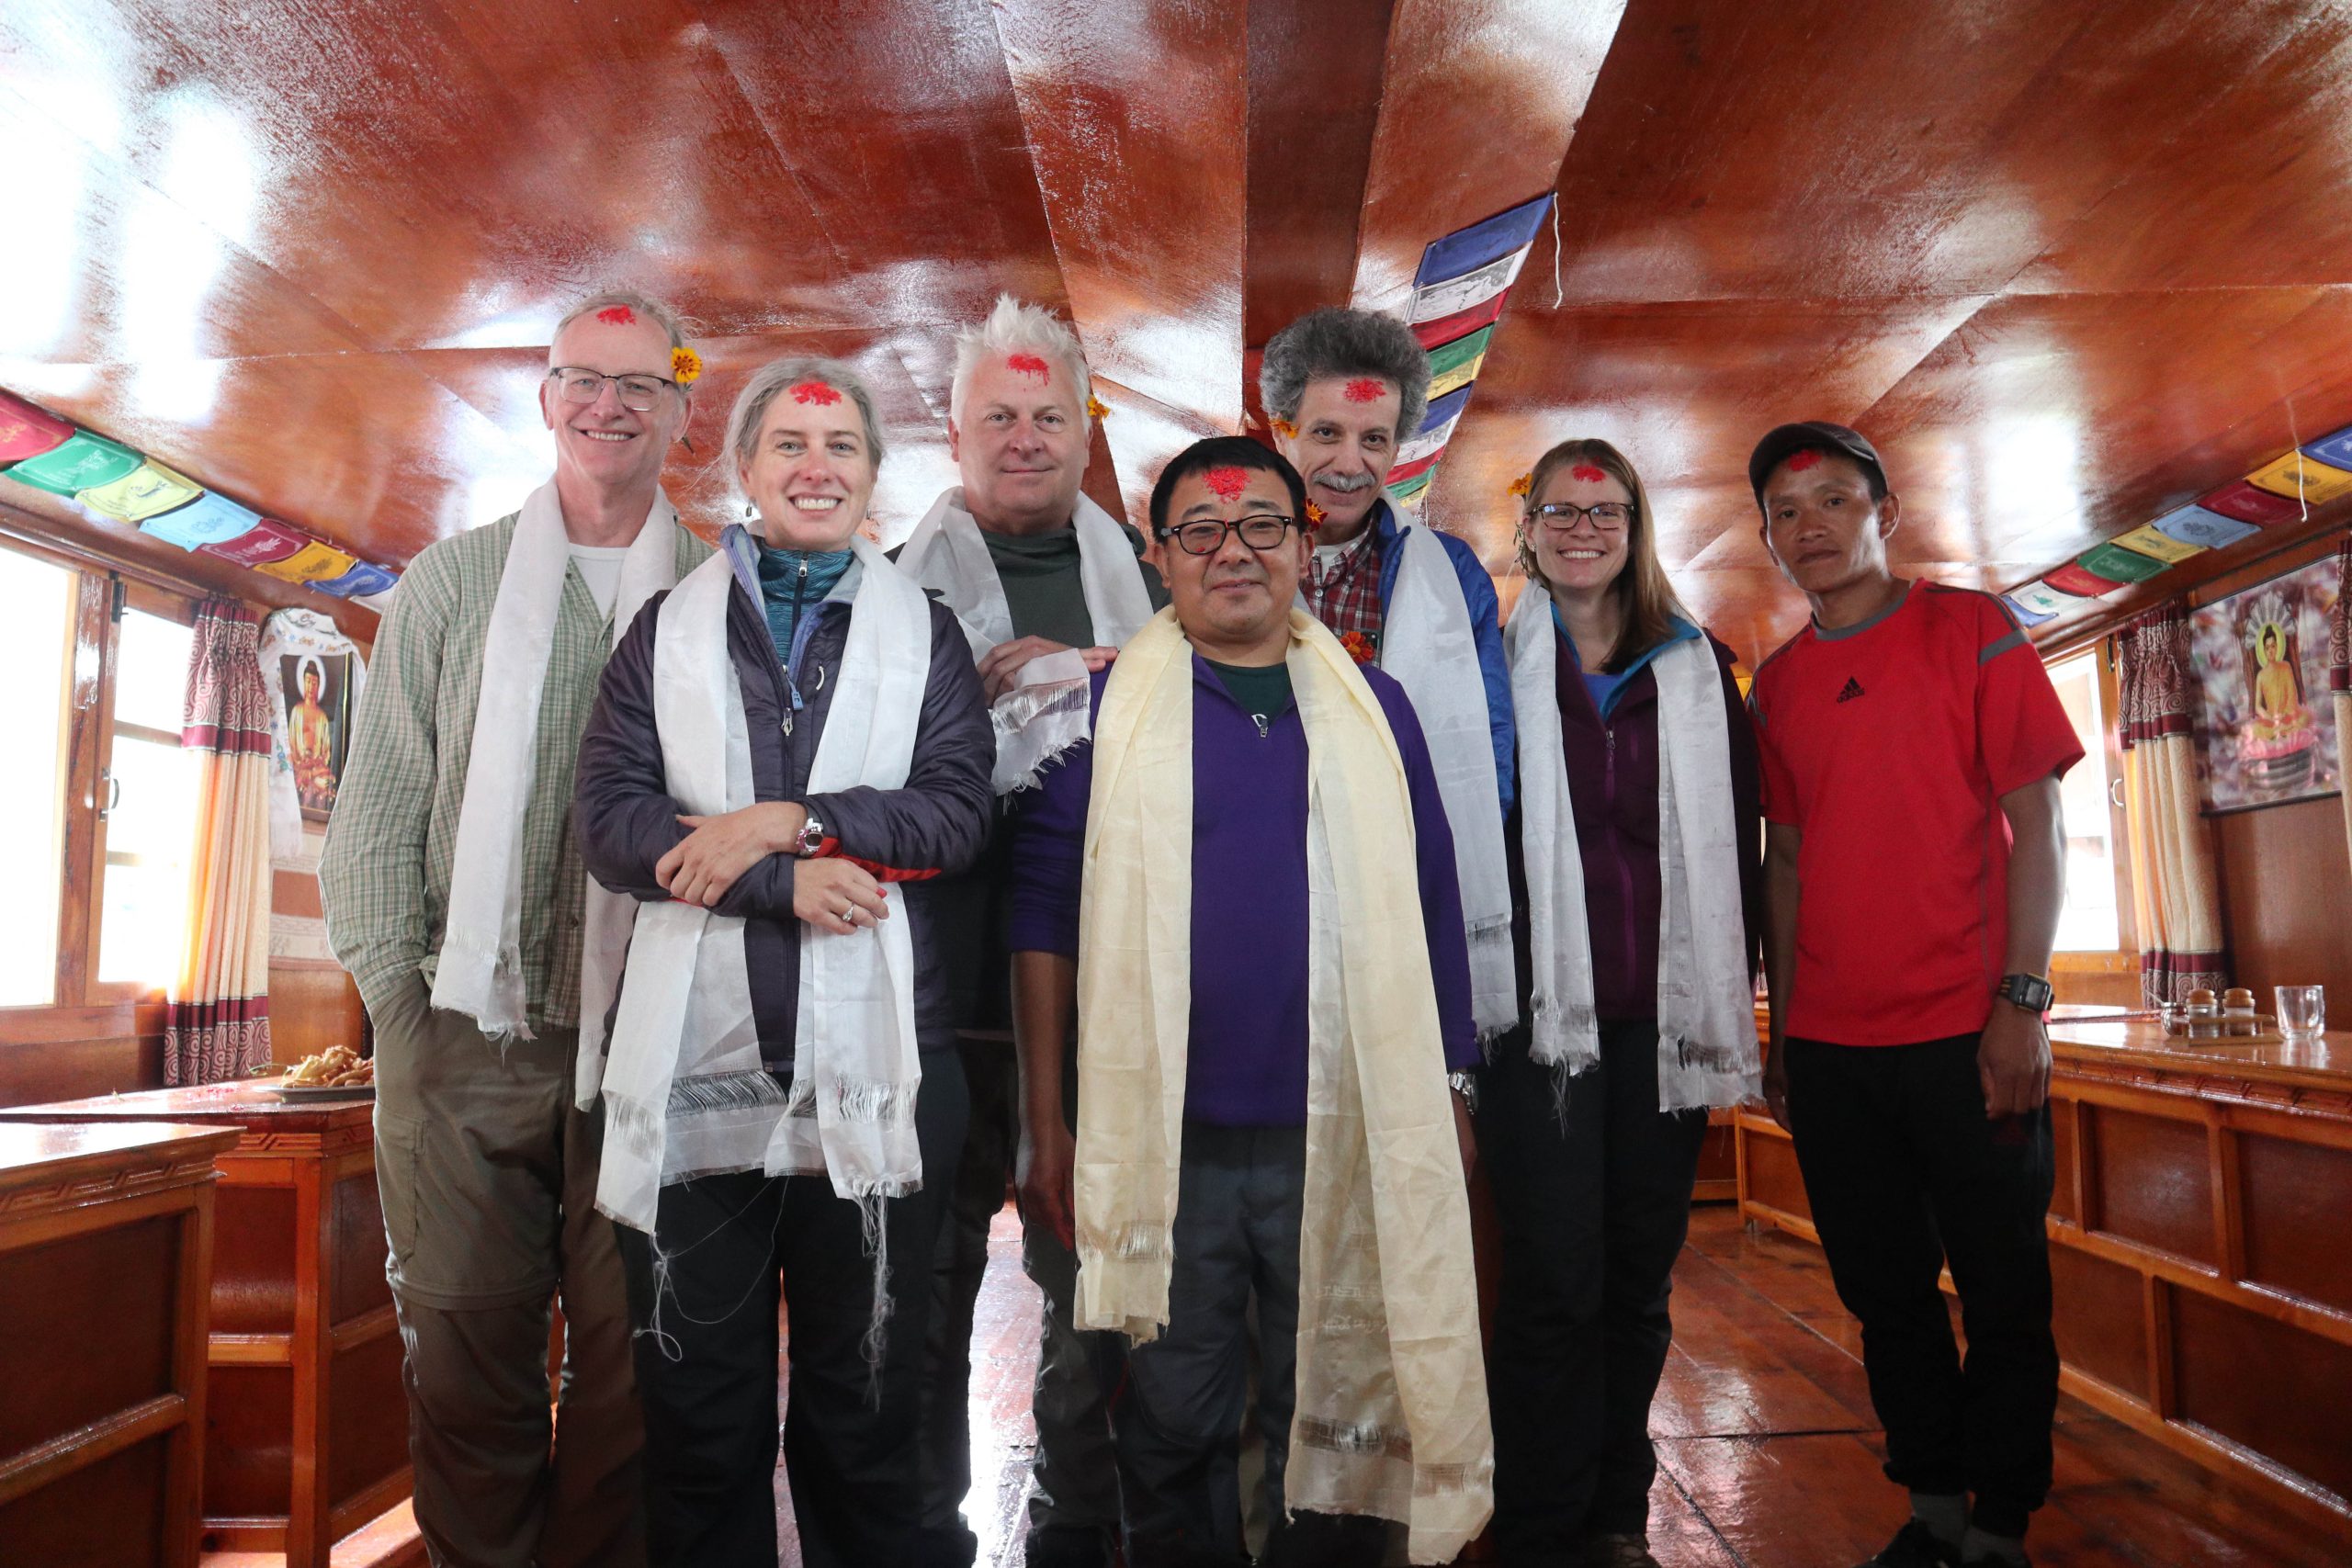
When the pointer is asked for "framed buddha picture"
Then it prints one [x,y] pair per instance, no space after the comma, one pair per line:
[2266,729]
[318,726]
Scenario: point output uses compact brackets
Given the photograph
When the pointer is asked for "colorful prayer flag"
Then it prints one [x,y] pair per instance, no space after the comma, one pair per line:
[2334,450]
[1445,329]
[2243,502]
[2072,579]
[267,540]
[140,494]
[314,562]
[366,578]
[2296,477]
[2026,615]
[81,461]
[2042,601]
[1471,289]
[2195,526]
[210,519]
[1483,243]
[28,432]
[2119,563]
[1456,364]
[2149,541]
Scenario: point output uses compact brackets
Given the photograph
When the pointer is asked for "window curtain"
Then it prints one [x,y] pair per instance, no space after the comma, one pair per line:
[2173,893]
[217,1023]
[2339,673]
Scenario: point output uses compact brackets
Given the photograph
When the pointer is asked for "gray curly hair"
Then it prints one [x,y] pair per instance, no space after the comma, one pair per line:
[1337,342]
[750,410]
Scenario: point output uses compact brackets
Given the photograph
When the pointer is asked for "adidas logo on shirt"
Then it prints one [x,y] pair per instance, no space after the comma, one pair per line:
[1851,690]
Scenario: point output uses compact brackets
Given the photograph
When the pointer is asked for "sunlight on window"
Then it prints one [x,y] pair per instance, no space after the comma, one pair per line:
[152,784]
[2088,923]
[36,633]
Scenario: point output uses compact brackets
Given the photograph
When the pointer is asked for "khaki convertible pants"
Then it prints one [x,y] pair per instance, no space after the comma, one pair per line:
[489,1178]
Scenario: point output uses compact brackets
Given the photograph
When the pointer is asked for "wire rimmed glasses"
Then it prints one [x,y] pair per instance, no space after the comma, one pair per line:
[639,393]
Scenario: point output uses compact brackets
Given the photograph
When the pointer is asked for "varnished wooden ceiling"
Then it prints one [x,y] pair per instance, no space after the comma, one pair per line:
[2070,264]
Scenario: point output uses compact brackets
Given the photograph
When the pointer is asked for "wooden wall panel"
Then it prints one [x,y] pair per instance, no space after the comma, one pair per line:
[2154,1180]
[2065,1152]
[2283,871]
[356,1211]
[252,1279]
[2294,1196]
[2265,1384]
[312,1008]
[110,1512]
[43,1293]
[1773,1177]
[2100,1320]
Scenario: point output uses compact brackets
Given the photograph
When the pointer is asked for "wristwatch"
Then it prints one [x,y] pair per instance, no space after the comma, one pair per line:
[1467,1086]
[810,838]
[2030,992]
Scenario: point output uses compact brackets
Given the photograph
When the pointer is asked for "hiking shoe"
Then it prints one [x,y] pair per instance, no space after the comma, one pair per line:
[1915,1546]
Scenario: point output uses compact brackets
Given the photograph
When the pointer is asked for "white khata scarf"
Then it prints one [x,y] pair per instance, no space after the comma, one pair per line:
[1427,644]
[1391,1410]
[481,968]
[1043,713]
[686,1093]
[1706,1019]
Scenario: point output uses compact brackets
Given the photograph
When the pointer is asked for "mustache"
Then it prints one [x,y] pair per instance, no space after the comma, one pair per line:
[1358,481]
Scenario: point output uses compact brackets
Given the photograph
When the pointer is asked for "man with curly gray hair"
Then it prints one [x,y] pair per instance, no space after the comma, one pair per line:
[1047,586]
[1343,390]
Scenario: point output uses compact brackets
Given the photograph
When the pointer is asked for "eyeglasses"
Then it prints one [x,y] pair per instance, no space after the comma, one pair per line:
[1259,530]
[1608,515]
[581,385]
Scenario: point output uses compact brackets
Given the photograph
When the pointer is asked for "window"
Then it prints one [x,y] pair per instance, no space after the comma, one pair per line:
[149,805]
[98,799]
[35,649]
[2092,920]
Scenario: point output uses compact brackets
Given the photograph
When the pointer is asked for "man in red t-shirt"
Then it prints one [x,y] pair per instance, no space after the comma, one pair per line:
[1913,868]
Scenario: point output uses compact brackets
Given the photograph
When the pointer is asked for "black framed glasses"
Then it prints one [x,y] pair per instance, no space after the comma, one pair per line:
[1205,536]
[581,385]
[1608,517]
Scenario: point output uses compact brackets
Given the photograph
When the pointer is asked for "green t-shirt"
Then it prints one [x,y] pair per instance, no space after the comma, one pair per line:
[1263,690]
[1041,589]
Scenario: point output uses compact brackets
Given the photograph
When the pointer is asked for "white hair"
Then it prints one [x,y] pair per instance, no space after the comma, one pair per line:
[1013,327]
[633,300]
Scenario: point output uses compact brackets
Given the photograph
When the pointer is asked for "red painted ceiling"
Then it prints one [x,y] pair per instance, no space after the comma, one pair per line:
[2070,265]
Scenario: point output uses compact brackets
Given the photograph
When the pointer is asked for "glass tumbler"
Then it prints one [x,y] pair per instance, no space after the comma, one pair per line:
[2303,1012]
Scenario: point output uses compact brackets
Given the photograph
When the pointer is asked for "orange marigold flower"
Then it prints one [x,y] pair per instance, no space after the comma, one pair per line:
[1359,648]
[685,365]
[1314,515]
[1096,408]
[1523,484]
[1285,428]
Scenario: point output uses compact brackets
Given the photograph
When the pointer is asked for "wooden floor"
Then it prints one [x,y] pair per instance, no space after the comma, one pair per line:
[1768,1452]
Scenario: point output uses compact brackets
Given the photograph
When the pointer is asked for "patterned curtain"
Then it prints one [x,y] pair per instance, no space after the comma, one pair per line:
[2172,862]
[2339,671]
[217,1025]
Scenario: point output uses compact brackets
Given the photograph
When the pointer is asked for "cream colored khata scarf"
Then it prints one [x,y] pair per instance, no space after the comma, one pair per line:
[1706,1000]
[479,972]
[1043,712]
[1391,1412]
[685,1092]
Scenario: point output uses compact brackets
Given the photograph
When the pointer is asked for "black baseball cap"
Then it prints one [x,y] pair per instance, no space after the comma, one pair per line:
[1777,447]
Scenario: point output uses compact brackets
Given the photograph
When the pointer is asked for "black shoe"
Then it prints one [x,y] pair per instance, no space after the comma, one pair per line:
[1915,1546]
[1990,1561]
[1067,1545]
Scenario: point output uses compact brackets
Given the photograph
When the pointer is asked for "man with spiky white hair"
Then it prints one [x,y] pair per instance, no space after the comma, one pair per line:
[454,894]
[1047,586]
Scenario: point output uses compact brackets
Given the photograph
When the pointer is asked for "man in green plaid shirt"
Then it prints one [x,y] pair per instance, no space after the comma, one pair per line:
[486,1166]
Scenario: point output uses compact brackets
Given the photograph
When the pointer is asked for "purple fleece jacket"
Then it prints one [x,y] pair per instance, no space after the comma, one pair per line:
[1246,1060]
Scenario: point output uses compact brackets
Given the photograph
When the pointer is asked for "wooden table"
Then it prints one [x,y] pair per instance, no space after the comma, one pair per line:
[307,1435]
[106,1241]
[2201,1233]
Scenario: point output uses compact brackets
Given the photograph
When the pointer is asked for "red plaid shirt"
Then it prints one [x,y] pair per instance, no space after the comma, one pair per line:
[1345,596]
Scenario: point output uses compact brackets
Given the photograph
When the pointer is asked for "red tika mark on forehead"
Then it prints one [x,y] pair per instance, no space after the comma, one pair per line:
[814,392]
[1802,460]
[618,316]
[1228,482]
[1587,473]
[1365,389]
[1028,364]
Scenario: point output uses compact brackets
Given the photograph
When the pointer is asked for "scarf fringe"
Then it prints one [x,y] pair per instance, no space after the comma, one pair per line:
[1369,1438]
[1035,724]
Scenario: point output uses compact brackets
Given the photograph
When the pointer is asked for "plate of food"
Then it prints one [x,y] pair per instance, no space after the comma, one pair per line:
[336,1073]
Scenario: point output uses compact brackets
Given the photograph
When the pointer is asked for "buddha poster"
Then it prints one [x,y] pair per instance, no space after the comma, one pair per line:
[2266,730]
[317,696]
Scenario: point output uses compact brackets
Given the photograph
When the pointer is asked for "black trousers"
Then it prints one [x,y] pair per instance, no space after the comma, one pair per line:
[1905,1172]
[1592,1188]
[706,1364]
